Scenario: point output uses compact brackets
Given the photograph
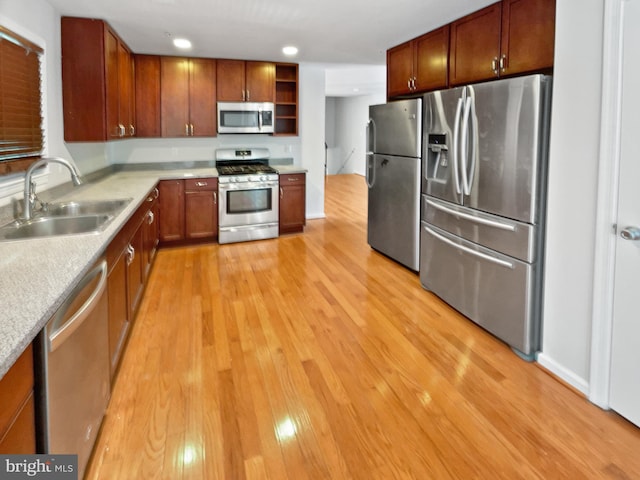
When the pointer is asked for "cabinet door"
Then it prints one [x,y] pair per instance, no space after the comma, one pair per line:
[17,416]
[125,91]
[174,97]
[200,213]
[171,202]
[135,271]
[147,95]
[475,46]
[112,77]
[118,310]
[399,70]
[431,61]
[260,81]
[230,80]
[202,97]
[528,33]
[151,236]
[292,203]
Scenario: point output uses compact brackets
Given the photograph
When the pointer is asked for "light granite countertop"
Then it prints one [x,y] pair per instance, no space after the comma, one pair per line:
[36,275]
[289,169]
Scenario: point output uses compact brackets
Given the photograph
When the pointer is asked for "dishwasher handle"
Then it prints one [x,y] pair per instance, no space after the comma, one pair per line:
[61,332]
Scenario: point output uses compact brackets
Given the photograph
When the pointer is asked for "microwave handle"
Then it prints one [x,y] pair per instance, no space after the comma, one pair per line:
[260,118]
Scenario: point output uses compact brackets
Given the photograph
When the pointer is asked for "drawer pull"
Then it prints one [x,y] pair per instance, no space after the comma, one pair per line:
[201,184]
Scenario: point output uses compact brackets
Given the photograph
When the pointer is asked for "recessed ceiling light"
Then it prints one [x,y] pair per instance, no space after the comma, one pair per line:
[290,50]
[182,43]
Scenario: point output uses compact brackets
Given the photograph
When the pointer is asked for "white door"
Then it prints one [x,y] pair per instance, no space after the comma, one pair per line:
[625,359]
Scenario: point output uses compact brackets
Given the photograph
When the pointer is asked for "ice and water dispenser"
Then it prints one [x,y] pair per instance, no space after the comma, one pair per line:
[437,157]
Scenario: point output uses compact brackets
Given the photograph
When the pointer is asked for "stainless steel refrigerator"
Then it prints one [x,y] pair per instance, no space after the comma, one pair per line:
[394,149]
[483,203]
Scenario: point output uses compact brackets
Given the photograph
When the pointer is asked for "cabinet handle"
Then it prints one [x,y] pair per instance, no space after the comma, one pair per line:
[186,129]
[201,184]
[215,198]
[156,193]
[244,96]
[131,253]
[191,125]
[413,83]
[132,130]
[292,179]
[121,130]
[248,95]
[494,65]
[150,218]
[281,193]
[503,62]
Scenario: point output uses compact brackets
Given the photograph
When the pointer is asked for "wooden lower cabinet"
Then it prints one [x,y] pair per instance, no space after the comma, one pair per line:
[171,201]
[17,412]
[128,261]
[201,208]
[292,202]
[188,210]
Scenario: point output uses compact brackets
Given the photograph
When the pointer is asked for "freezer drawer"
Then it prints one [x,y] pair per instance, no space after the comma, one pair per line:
[495,291]
[510,237]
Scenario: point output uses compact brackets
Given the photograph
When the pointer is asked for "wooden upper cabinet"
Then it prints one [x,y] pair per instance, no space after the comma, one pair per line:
[147,95]
[187,97]
[419,65]
[507,38]
[431,60]
[400,69]
[475,46]
[528,35]
[97,82]
[244,81]
[260,81]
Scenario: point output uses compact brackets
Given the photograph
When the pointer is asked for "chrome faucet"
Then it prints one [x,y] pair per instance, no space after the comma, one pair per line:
[30,186]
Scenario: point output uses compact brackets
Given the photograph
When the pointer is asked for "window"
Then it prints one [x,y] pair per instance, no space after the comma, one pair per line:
[21,136]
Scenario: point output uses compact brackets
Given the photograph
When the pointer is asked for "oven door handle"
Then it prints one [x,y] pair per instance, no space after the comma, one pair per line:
[246,185]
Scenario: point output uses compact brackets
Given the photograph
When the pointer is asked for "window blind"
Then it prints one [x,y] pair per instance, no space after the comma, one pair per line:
[21,135]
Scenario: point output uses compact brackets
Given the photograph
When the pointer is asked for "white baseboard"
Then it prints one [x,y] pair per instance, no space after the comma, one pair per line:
[564,374]
[315,216]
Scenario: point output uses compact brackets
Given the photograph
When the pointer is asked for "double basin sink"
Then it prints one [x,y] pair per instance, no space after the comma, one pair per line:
[65,218]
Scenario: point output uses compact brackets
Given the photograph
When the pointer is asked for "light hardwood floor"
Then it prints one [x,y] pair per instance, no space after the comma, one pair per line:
[313,357]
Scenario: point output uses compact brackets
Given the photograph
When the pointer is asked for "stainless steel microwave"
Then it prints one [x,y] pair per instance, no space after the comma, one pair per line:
[246,117]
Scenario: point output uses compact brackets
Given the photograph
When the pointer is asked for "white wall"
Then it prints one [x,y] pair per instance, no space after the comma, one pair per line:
[573,169]
[311,128]
[37,21]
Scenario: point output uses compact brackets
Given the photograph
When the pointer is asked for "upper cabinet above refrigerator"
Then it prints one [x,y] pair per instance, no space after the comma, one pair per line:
[507,38]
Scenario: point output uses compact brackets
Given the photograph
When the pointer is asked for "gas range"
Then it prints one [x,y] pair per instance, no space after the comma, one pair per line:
[244,165]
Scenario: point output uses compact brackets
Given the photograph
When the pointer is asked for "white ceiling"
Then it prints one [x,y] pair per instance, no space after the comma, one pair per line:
[325,31]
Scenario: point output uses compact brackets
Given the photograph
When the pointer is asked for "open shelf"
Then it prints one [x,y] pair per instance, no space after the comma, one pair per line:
[286,99]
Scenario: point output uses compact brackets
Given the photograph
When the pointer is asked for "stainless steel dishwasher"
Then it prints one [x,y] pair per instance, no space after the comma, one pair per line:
[73,382]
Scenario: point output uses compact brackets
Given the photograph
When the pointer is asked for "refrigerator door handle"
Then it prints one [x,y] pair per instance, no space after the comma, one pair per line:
[455,152]
[464,146]
[471,218]
[371,136]
[474,142]
[488,258]
[371,167]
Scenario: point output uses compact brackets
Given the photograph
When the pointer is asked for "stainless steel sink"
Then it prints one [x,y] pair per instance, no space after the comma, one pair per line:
[91,207]
[53,226]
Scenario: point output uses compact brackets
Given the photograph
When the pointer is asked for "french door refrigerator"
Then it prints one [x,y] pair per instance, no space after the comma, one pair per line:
[394,136]
[483,203]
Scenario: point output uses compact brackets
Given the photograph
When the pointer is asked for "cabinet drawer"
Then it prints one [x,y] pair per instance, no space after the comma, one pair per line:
[292,179]
[21,436]
[15,386]
[198,184]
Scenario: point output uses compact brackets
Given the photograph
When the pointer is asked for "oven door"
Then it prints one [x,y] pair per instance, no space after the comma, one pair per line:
[248,203]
